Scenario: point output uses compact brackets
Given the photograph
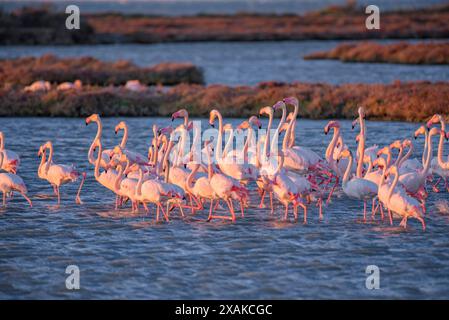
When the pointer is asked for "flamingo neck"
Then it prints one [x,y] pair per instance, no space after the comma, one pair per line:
[428,157]
[370,167]
[2,157]
[278,129]
[425,149]
[228,143]
[361,149]
[331,147]
[43,158]
[399,158]
[189,181]
[267,138]
[393,185]
[348,170]
[441,163]
[407,155]
[218,150]
[97,163]
[165,160]
[381,180]
[139,182]
[125,137]
[247,142]
[292,136]
[118,179]
[2,141]
[50,158]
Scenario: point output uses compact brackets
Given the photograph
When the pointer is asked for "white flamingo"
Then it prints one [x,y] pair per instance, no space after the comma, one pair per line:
[105,157]
[357,188]
[59,174]
[38,86]
[10,182]
[77,85]
[11,160]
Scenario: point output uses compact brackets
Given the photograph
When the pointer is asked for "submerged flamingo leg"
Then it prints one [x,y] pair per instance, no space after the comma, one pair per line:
[332,190]
[434,186]
[390,216]
[231,207]
[364,211]
[381,211]
[210,210]
[4,199]
[262,197]
[271,202]
[286,212]
[241,208]
[59,195]
[77,198]
[163,212]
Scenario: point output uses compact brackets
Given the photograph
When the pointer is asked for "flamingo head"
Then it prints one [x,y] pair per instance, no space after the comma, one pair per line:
[331,124]
[380,162]
[213,114]
[47,145]
[121,126]
[243,125]
[447,135]
[397,144]
[78,83]
[346,153]
[419,131]
[179,114]
[279,105]
[227,126]
[366,159]
[291,100]
[385,150]
[165,130]
[361,112]
[434,131]
[266,110]
[41,151]
[436,118]
[190,126]
[117,150]
[92,118]
[284,127]
[255,121]
[407,143]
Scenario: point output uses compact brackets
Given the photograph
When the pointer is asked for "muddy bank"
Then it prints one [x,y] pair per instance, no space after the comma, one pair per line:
[337,22]
[414,101]
[24,71]
[403,53]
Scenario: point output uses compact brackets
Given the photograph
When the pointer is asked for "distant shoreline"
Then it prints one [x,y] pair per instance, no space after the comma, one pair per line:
[34,26]
[398,101]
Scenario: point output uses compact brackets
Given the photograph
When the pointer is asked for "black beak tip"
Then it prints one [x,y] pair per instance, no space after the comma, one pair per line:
[172,119]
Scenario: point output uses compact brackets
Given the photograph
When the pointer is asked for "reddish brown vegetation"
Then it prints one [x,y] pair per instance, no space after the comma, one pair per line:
[403,52]
[337,22]
[414,101]
[92,71]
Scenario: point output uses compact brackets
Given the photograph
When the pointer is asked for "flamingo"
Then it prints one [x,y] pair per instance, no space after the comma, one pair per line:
[77,85]
[357,188]
[59,174]
[10,182]
[439,166]
[38,86]
[135,86]
[399,202]
[132,156]
[11,160]
[105,155]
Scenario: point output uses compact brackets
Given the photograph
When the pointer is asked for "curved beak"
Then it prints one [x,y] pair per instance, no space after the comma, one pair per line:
[172,118]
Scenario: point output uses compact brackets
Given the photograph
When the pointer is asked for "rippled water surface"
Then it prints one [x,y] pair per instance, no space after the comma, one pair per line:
[247,63]
[121,255]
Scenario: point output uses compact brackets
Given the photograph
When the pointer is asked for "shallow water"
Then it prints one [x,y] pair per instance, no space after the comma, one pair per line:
[126,256]
[247,63]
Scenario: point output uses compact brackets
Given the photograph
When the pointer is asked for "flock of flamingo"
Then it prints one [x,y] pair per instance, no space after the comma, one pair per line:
[169,178]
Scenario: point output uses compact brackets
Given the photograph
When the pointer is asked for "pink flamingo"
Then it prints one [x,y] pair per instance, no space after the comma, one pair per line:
[59,174]
[10,182]
[105,155]
[133,156]
[11,160]
[440,167]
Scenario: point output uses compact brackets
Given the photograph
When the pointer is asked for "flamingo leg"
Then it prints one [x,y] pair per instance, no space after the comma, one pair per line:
[332,190]
[27,199]
[390,216]
[381,211]
[304,207]
[4,199]
[146,207]
[364,211]
[78,199]
[286,212]
[163,212]
[241,208]
[59,195]
[231,207]
[180,209]
[446,184]
[210,209]
[434,186]
[373,208]
[271,202]
[262,197]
